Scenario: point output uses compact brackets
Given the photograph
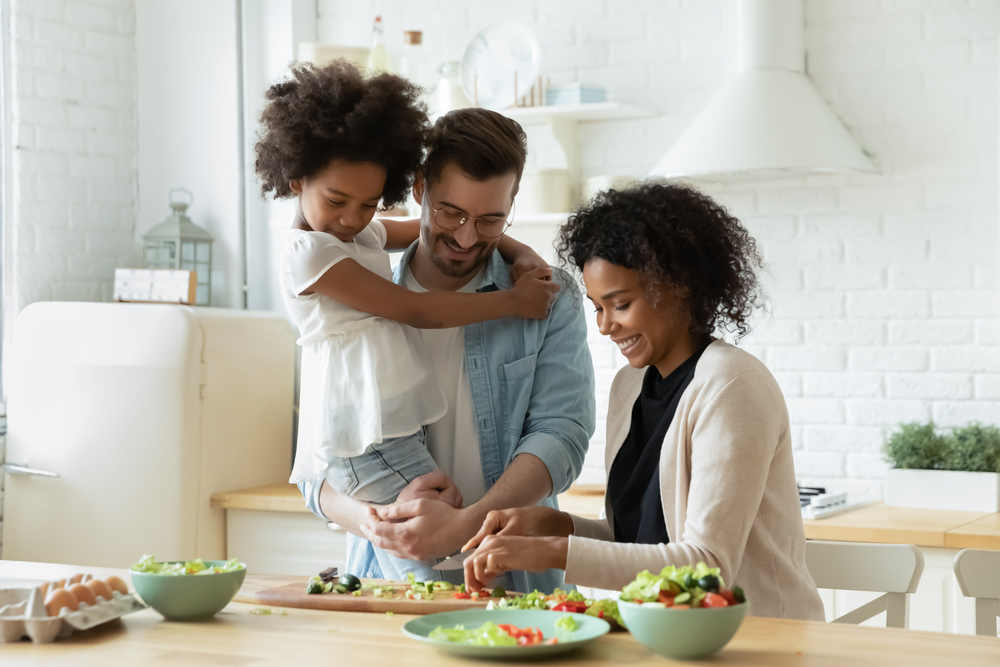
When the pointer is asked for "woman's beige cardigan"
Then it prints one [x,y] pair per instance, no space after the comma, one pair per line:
[727,485]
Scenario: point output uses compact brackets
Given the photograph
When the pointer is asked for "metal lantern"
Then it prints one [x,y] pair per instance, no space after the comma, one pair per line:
[178,243]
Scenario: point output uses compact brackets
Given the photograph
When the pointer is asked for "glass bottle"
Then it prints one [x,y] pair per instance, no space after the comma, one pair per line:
[413,64]
[450,95]
[378,59]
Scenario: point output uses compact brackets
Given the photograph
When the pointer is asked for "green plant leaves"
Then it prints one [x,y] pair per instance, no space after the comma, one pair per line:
[971,448]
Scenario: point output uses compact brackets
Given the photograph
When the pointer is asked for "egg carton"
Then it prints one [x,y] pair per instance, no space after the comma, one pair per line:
[22,613]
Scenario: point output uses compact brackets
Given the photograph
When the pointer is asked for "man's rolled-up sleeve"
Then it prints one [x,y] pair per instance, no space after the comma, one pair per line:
[562,410]
[310,493]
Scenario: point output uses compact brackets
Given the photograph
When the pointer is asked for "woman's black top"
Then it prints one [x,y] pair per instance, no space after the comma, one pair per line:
[634,480]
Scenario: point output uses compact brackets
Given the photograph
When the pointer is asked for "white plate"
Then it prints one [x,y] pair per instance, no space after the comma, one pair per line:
[491,59]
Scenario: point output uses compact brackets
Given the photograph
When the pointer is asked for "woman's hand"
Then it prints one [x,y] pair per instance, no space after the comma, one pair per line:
[502,553]
[432,486]
[535,521]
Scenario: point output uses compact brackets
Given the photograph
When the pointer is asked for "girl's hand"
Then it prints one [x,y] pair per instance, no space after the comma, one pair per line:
[536,521]
[525,261]
[432,486]
[498,554]
[535,293]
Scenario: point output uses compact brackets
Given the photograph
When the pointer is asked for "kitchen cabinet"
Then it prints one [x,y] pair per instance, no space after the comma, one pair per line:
[270,529]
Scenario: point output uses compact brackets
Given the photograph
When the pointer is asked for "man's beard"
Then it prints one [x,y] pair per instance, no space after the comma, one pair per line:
[454,268]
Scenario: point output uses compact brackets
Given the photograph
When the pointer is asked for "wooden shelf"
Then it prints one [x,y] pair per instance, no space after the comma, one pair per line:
[595,111]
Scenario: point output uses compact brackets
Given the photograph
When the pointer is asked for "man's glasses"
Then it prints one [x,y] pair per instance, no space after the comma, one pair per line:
[488,226]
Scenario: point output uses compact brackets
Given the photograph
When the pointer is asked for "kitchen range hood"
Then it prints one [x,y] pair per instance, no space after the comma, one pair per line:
[768,121]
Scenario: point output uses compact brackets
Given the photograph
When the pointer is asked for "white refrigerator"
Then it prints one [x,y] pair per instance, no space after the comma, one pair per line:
[124,419]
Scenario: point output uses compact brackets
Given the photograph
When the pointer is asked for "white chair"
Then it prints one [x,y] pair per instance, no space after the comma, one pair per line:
[978,574]
[893,569]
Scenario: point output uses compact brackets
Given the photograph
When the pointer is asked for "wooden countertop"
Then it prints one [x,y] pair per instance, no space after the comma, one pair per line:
[874,523]
[272,497]
[980,534]
[898,525]
[235,638]
[582,500]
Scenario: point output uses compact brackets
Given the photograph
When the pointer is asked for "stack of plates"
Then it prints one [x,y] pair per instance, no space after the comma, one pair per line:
[575,93]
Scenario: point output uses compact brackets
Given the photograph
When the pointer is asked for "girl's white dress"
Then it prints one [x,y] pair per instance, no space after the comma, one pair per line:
[363,378]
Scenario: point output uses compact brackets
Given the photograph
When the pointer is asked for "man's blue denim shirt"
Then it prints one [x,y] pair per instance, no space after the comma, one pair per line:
[532,390]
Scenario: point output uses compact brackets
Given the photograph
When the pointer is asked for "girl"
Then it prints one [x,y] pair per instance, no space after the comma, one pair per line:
[342,143]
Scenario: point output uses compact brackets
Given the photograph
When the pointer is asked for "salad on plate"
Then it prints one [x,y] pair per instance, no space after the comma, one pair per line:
[560,600]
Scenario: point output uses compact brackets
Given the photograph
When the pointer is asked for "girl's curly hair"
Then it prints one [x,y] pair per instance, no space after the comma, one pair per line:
[673,235]
[320,114]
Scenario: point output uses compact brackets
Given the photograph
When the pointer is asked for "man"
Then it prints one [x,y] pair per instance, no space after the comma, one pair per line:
[520,392]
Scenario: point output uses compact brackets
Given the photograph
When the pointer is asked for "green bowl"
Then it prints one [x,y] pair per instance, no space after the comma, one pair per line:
[682,634]
[188,597]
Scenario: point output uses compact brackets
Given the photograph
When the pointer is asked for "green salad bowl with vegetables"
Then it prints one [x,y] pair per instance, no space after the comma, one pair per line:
[481,633]
[187,590]
[682,613]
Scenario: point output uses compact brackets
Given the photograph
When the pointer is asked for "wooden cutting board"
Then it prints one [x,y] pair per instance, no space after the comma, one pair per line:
[290,591]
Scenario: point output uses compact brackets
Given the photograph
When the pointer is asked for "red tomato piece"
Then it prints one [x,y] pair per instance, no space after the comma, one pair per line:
[463,596]
[713,600]
[571,606]
[728,595]
[554,640]
[667,597]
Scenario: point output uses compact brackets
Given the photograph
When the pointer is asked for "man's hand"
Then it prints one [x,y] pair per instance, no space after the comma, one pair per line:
[498,554]
[419,529]
[432,486]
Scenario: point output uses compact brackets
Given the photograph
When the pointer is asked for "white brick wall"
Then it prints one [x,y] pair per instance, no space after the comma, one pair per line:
[74,147]
[883,288]
[74,142]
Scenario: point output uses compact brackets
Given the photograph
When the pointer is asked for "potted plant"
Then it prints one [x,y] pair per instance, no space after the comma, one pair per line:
[954,470]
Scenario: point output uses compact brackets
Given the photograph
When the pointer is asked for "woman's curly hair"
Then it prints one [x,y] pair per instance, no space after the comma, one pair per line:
[673,235]
[320,114]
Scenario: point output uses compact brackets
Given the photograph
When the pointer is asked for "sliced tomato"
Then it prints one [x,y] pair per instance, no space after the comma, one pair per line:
[571,606]
[728,595]
[463,596]
[714,600]
[554,640]
[667,597]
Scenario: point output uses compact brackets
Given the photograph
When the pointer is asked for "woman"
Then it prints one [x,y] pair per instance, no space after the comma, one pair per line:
[699,454]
